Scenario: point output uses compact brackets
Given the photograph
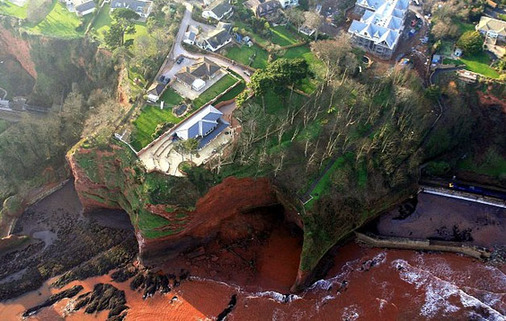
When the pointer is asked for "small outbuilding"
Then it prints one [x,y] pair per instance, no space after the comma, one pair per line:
[198,84]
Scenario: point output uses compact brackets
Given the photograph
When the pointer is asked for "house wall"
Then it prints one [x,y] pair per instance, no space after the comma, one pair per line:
[370,46]
[209,14]
[86,12]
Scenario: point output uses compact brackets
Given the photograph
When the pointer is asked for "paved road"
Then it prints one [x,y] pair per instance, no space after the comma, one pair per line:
[178,50]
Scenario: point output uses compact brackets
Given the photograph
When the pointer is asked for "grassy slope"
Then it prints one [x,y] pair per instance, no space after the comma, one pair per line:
[243,53]
[282,36]
[214,90]
[479,63]
[493,164]
[239,88]
[9,9]
[3,125]
[59,23]
[104,20]
[147,121]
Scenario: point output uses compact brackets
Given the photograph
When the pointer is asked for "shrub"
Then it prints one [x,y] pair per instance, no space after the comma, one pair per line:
[471,42]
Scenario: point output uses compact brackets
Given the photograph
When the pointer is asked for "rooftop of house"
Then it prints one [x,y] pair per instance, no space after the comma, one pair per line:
[268,6]
[218,39]
[491,24]
[201,123]
[377,4]
[135,5]
[83,5]
[202,69]
[384,24]
[220,8]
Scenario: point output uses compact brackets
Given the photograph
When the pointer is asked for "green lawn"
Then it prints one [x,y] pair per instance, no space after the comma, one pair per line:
[214,90]
[479,63]
[59,23]
[251,34]
[275,103]
[104,20]
[463,27]
[446,48]
[10,9]
[316,66]
[171,97]
[239,88]
[283,36]
[449,61]
[3,125]
[243,53]
[304,52]
[145,124]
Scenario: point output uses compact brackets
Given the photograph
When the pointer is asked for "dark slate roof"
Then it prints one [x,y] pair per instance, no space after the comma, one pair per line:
[159,89]
[185,77]
[222,125]
[85,6]
[268,7]
[192,36]
[221,8]
[200,123]
[130,4]
[218,39]
[203,69]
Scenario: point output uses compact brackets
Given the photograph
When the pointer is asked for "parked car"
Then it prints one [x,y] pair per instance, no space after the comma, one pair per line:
[179,60]
[164,80]
[247,73]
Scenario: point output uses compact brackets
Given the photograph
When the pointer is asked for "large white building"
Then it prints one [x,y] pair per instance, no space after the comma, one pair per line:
[380,27]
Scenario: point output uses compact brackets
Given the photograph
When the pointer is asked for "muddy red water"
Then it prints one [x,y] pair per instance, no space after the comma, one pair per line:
[363,284]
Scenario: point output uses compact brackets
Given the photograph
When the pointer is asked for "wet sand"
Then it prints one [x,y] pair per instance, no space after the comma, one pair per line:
[436,216]
[364,284]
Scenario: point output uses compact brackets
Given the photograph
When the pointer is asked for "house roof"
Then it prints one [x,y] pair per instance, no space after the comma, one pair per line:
[199,123]
[377,4]
[83,5]
[383,23]
[218,39]
[379,35]
[491,24]
[202,69]
[221,8]
[135,5]
[267,7]
[192,36]
[224,26]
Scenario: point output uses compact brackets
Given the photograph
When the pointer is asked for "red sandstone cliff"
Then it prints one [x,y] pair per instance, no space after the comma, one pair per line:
[18,48]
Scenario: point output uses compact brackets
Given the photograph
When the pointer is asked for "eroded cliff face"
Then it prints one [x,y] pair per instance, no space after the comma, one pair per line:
[18,48]
[113,178]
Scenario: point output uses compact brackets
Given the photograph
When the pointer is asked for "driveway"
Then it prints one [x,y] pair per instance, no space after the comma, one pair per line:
[178,50]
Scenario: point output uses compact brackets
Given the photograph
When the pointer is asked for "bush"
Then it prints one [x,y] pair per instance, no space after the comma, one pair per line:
[161,128]
[437,168]
[471,42]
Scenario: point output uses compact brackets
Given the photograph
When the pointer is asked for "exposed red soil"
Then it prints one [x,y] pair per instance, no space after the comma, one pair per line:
[217,213]
[489,100]
[19,49]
